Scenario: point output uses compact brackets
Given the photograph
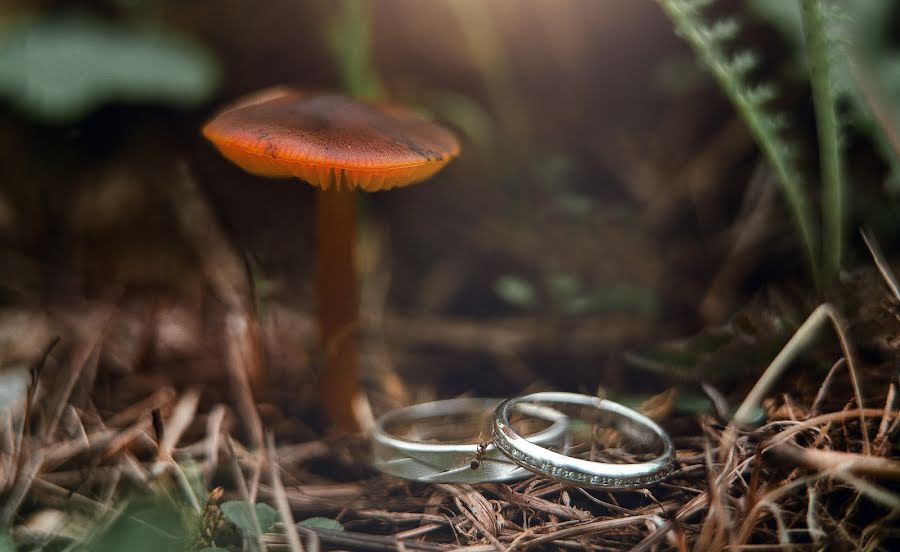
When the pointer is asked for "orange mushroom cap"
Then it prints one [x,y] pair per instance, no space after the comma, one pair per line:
[330,140]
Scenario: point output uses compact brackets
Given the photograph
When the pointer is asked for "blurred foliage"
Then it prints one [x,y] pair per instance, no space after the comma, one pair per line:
[60,68]
[349,39]
[847,59]
[826,56]
[569,293]
[468,116]
[515,290]
[868,31]
[241,515]
[193,475]
[147,526]
[713,43]
[319,522]
[160,522]
[571,297]
[721,354]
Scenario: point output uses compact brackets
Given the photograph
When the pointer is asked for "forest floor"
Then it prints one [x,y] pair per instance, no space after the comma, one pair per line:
[99,462]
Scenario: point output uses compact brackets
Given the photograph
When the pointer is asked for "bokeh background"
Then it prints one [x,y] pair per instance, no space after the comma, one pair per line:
[608,198]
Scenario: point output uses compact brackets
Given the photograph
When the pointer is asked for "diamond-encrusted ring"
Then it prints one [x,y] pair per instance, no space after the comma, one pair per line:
[418,458]
[584,473]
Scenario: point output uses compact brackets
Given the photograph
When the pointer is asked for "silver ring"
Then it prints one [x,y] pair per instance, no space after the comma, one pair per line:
[584,473]
[454,463]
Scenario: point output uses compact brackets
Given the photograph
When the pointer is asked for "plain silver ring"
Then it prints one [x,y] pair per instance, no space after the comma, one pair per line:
[454,463]
[583,473]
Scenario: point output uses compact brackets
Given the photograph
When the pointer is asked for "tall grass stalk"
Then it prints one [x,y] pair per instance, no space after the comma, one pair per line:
[350,41]
[477,22]
[818,50]
[513,137]
[731,74]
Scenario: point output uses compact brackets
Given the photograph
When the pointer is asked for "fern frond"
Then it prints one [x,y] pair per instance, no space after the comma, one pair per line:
[742,63]
[721,30]
[821,50]
[778,123]
[731,74]
[691,6]
[761,94]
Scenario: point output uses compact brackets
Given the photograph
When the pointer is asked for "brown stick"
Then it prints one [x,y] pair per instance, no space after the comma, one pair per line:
[239,361]
[281,501]
[801,338]
[825,460]
[338,304]
[30,469]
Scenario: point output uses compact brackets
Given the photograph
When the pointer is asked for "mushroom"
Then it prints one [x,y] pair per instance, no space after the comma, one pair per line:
[337,145]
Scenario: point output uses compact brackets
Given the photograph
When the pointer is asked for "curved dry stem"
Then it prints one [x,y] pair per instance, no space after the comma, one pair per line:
[801,338]
[281,501]
[797,427]
[771,497]
[826,460]
[881,263]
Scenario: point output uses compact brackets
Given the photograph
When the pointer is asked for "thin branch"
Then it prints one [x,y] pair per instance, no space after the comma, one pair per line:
[281,501]
[881,262]
[801,338]
[825,460]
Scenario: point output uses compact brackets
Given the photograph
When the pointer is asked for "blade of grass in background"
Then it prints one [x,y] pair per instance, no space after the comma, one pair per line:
[864,73]
[819,50]
[731,73]
[479,31]
[350,42]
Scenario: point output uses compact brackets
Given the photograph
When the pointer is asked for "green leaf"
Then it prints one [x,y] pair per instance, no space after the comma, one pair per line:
[213,549]
[321,523]
[239,513]
[515,290]
[820,48]
[618,298]
[6,544]
[59,68]
[193,471]
[577,205]
[146,526]
[564,287]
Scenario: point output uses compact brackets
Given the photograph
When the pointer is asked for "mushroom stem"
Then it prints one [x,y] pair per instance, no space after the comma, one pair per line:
[338,305]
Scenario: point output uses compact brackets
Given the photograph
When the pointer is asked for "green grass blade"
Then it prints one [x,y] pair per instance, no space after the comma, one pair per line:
[818,50]
[350,42]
